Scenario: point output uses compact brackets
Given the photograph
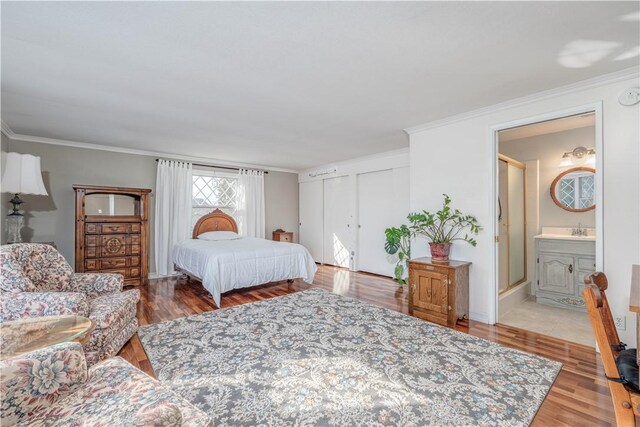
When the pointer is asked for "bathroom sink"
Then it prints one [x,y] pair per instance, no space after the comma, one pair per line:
[564,237]
[564,233]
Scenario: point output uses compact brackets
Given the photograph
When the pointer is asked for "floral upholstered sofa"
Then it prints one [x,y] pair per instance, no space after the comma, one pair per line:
[36,280]
[53,387]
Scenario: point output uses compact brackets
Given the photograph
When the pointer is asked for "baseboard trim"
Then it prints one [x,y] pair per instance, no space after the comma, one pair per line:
[479,317]
[155,275]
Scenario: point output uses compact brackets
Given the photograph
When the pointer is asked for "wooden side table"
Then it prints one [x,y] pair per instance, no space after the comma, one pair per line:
[439,292]
[282,236]
[26,335]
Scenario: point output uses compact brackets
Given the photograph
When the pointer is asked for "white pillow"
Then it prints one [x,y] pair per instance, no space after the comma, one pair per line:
[219,235]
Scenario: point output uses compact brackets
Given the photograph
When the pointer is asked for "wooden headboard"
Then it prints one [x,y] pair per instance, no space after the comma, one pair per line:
[214,221]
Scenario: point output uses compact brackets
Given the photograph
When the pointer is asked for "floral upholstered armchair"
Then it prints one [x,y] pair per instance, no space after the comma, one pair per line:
[53,387]
[36,280]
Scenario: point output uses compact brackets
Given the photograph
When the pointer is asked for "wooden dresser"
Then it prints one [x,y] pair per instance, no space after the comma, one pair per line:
[112,231]
[282,236]
[439,292]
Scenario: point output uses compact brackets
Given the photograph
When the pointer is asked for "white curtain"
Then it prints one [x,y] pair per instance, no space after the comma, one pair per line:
[173,210]
[250,203]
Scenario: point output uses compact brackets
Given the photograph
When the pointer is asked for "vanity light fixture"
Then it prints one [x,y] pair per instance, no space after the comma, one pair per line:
[579,155]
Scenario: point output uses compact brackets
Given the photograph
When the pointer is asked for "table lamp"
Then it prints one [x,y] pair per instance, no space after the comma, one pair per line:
[21,175]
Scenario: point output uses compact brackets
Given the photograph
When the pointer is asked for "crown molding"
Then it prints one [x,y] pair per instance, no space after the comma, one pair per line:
[628,73]
[7,130]
[66,143]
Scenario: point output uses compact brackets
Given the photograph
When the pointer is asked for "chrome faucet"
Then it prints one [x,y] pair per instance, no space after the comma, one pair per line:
[579,231]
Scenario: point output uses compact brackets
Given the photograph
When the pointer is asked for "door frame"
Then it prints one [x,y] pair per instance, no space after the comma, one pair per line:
[595,107]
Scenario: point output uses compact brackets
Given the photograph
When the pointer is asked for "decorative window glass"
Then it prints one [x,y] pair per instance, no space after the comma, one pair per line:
[213,191]
[576,190]
[587,190]
[567,191]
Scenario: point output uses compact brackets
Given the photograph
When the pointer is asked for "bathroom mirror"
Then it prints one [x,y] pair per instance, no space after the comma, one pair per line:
[574,189]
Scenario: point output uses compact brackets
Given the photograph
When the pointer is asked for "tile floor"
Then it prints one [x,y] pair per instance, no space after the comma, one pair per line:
[569,325]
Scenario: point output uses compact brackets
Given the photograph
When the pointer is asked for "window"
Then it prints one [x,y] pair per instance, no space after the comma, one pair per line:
[213,191]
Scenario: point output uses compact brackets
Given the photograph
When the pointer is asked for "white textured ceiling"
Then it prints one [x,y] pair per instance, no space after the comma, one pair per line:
[290,84]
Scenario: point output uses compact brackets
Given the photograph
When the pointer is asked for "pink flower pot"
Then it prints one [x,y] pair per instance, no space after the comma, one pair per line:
[440,251]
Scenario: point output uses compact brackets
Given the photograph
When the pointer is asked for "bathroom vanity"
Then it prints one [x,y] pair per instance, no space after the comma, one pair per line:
[563,260]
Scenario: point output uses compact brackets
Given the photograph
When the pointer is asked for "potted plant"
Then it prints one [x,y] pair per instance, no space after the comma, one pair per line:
[441,227]
[444,227]
[399,242]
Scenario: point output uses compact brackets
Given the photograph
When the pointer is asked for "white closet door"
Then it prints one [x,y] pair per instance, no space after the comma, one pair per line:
[337,231]
[311,218]
[383,202]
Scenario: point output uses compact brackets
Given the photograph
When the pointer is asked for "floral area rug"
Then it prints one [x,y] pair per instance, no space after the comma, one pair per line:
[315,358]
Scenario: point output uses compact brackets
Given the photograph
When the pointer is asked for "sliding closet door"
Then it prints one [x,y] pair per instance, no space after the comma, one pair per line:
[337,231]
[311,218]
[383,202]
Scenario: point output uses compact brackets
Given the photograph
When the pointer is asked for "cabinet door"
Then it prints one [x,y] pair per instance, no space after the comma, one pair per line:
[585,265]
[431,291]
[556,273]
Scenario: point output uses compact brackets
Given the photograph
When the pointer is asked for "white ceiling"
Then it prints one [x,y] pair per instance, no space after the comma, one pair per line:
[550,126]
[289,84]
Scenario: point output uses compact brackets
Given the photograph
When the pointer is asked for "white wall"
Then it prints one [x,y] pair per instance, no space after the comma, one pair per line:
[455,157]
[397,160]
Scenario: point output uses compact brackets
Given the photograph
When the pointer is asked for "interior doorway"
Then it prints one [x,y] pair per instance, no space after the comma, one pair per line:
[547,223]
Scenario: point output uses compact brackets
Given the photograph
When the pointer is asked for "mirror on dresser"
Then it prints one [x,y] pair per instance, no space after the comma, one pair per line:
[112,231]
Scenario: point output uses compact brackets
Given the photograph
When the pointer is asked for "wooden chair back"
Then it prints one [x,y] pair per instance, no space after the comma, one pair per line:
[609,343]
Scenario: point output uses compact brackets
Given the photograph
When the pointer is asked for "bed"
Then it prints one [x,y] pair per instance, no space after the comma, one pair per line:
[224,265]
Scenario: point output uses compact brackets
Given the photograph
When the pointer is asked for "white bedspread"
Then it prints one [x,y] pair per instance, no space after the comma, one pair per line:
[249,261]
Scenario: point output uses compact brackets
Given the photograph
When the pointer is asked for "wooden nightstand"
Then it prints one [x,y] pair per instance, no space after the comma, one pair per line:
[283,236]
[439,292]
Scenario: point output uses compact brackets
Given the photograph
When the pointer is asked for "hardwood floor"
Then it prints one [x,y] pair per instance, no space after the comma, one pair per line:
[579,397]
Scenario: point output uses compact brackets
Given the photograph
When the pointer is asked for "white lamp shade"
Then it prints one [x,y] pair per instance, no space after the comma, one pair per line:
[565,162]
[22,175]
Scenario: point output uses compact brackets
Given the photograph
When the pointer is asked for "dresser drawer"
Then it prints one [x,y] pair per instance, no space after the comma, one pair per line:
[92,240]
[135,240]
[113,263]
[135,250]
[427,267]
[134,261]
[91,252]
[114,245]
[134,272]
[115,239]
[115,228]
[586,263]
[113,251]
[134,228]
[92,228]
[91,264]
[123,271]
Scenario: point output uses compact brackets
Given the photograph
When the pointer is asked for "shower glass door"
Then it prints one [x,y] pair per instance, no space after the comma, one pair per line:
[513,223]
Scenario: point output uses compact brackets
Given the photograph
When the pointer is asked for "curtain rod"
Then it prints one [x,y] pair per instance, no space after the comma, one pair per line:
[223,167]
